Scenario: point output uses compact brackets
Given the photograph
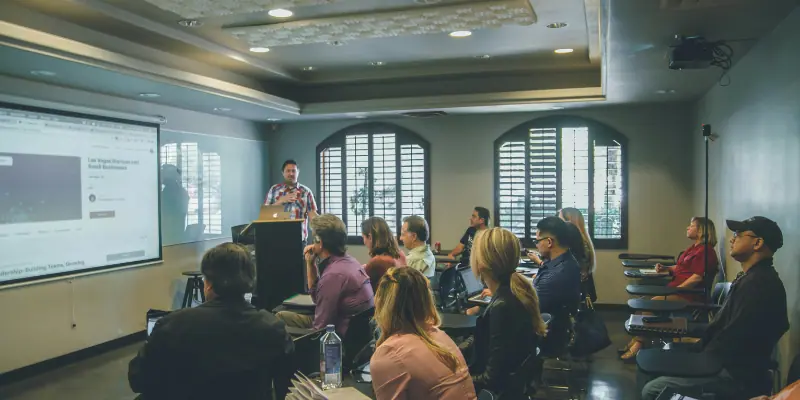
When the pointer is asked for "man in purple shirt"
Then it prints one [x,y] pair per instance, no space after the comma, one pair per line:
[339,285]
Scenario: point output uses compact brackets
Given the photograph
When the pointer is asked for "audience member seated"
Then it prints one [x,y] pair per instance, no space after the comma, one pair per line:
[558,282]
[383,248]
[478,221]
[690,272]
[583,250]
[413,358]
[222,349]
[753,318]
[414,235]
[339,285]
[509,329]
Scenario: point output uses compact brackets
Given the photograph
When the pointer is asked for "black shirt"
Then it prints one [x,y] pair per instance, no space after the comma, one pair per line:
[752,320]
[466,240]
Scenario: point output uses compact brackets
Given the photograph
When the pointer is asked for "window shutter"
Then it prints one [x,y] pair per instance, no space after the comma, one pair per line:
[331,181]
[384,178]
[412,180]
[511,196]
[575,169]
[212,193]
[357,170]
[543,159]
[607,190]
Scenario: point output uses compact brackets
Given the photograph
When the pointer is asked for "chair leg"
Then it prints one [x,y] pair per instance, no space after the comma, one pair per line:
[200,290]
[187,293]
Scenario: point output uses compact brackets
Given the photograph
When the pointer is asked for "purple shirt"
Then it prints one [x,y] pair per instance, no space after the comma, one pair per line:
[342,290]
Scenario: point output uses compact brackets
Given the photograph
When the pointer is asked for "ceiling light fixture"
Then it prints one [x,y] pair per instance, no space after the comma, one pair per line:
[308,68]
[280,13]
[557,25]
[557,108]
[190,23]
[377,63]
[273,119]
[665,91]
[564,51]
[460,34]
[149,95]
[483,57]
[41,72]
[221,109]
[259,49]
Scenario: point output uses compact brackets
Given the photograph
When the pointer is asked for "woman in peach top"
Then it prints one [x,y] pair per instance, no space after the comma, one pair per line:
[414,359]
[383,248]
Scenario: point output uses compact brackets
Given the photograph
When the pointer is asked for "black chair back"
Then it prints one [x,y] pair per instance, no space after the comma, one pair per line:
[794,371]
[237,237]
[520,382]
[447,284]
[306,350]
[359,334]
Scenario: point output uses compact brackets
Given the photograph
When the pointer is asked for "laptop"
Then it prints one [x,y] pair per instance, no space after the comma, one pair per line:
[274,212]
[152,317]
[473,287]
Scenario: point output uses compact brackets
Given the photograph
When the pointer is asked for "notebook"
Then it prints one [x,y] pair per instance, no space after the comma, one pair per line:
[649,271]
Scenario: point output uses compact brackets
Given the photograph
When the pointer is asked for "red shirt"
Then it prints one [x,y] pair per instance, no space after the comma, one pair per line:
[691,263]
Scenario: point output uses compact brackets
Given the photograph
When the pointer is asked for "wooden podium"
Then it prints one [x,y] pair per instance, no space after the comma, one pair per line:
[280,269]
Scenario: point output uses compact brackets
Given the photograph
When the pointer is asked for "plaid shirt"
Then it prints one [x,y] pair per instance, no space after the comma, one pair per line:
[300,208]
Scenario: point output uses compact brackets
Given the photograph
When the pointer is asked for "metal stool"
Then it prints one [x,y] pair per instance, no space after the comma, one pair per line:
[194,289]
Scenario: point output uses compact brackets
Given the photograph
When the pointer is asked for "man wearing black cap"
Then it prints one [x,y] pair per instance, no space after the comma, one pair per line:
[753,318]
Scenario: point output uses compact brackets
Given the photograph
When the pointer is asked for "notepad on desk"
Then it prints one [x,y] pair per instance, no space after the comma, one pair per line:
[299,300]
[677,325]
[649,271]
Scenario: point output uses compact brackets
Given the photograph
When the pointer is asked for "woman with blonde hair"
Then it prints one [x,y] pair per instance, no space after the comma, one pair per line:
[383,248]
[414,359]
[692,271]
[583,251]
[511,325]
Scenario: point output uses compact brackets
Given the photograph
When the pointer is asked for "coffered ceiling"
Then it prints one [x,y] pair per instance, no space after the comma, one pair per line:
[339,58]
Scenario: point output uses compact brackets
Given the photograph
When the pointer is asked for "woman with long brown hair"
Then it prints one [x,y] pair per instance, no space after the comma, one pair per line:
[414,359]
[510,327]
[583,251]
[383,248]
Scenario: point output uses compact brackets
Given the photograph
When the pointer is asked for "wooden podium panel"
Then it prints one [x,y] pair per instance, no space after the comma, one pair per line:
[280,269]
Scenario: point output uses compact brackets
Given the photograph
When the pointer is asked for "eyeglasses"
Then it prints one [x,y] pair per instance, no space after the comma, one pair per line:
[536,241]
[740,234]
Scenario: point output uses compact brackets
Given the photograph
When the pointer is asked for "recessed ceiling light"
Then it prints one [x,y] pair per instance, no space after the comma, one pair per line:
[483,57]
[665,91]
[377,63]
[564,51]
[460,34]
[308,68]
[557,25]
[221,109]
[190,23]
[149,95]
[273,119]
[280,13]
[259,49]
[557,108]
[336,43]
[361,116]
[41,72]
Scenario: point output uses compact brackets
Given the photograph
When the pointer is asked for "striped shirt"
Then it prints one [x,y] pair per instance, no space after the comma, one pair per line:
[300,208]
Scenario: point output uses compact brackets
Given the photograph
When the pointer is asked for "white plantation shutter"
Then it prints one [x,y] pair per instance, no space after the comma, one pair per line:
[562,163]
[201,176]
[373,170]
[212,193]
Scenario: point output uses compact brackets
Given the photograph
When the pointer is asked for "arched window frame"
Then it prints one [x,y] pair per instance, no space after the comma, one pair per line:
[599,136]
[333,156]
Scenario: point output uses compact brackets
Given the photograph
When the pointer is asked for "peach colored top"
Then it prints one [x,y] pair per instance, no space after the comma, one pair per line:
[404,368]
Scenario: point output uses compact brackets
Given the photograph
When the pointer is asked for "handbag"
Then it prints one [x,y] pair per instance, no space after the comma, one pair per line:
[589,332]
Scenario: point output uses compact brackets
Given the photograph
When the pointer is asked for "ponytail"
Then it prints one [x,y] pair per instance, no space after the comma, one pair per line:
[524,292]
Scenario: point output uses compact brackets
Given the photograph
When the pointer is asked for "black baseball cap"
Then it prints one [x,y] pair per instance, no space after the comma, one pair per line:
[763,227]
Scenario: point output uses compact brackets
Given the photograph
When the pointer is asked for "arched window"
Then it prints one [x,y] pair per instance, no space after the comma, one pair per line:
[555,162]
[373,169]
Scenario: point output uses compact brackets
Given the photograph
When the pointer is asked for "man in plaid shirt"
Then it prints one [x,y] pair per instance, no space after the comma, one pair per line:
[296,199]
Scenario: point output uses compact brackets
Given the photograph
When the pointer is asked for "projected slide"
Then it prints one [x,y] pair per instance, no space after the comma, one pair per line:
[77,193]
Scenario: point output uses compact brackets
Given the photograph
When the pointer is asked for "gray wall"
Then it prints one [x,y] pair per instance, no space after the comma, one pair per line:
[755,163]
[660,173]
[38,318]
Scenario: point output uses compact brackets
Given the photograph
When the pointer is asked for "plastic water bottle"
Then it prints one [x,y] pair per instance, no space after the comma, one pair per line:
[330,359]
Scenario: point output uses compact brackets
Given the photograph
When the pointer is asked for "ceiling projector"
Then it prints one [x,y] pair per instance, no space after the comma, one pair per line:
[691,53]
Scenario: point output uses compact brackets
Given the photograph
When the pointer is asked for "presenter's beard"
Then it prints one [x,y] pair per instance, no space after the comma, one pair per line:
[290,182]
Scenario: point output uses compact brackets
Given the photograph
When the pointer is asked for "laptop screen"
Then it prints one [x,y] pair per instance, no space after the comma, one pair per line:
[151,323]
[472,283]
[152,317]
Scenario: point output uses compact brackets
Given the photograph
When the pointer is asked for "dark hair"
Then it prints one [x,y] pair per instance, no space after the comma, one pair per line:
[575,242]
[230,270]
[288,162]
[383,240]
[419,226]
[332,232]
[556,228]
[484,214]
